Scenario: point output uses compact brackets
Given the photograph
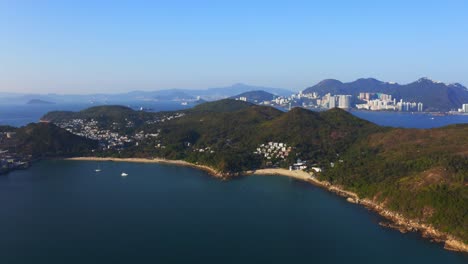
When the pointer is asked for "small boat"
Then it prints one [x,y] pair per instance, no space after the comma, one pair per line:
[124,174]
[97,170]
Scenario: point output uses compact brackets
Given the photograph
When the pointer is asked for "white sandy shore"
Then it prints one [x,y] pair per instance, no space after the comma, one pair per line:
[451,243]
[296,174]
[155,160]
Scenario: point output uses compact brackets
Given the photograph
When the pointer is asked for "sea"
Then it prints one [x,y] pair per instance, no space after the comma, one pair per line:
[64,212]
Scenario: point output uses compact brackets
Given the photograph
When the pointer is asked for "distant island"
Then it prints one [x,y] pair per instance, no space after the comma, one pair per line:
[39,102]
[416,178]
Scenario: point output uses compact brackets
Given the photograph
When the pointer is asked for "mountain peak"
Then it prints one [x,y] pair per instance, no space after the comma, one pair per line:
[426,79]
[239,84]
[328,82]
[372,81]
[368,79]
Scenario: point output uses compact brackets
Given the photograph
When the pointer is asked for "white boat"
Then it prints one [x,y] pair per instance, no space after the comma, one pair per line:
[97,170]
[124,174]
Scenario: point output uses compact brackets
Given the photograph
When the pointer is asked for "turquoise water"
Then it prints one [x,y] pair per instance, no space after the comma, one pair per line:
[64,212]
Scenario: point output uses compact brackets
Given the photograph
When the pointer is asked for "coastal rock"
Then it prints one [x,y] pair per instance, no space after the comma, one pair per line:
[352,200]
[455,245]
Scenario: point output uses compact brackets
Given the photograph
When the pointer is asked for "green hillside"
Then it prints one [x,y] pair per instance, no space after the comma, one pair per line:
[46,140]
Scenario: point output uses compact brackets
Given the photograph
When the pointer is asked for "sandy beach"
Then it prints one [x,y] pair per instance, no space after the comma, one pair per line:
[155,160]
[296,174]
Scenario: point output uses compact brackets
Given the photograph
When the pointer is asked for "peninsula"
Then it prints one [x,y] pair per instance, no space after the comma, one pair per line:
[416,178]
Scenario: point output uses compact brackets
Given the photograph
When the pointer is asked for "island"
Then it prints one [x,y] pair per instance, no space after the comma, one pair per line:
[39,102]
[415,178]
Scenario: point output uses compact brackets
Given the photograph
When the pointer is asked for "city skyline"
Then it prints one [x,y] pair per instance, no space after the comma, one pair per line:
[58,47]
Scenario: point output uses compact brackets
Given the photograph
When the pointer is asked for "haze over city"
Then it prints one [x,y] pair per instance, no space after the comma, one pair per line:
[118,46]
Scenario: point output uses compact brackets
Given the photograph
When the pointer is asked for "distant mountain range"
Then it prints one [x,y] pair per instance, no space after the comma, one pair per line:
[209,94]
[436,96]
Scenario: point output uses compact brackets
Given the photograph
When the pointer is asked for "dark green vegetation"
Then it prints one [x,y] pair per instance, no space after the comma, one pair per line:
[45,140]
[435,96]
[420,173]
[107,116]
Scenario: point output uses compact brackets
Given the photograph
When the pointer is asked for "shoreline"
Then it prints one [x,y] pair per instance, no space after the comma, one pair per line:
[395,220]
[205,168]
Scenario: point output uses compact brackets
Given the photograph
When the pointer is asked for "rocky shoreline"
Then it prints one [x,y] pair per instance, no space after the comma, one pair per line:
[395,220]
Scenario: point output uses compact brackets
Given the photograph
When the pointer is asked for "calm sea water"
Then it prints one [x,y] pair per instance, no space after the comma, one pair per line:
[64,212]
[409,120]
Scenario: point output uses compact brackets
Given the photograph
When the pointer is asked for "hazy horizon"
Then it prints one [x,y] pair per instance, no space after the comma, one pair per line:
[198,88]
[108,47]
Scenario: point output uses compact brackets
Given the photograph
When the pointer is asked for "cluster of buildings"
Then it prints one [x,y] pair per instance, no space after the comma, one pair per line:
[273,150]
[90,129]
[287,102]
[311,100]
[463,109]
[373,102]
[110,139]
[382,102]
[165,118]
[203,150]
[329,101]
[9,160]
[302,165]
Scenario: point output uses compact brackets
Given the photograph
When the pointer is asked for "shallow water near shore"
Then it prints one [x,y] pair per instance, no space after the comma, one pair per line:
[63,212]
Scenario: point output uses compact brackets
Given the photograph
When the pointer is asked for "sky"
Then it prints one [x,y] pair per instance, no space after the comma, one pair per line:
[115,46]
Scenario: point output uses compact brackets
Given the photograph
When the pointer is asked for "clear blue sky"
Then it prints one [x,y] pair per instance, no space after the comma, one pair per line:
[112,46]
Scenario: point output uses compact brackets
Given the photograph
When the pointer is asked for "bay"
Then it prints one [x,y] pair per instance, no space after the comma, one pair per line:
[64,212]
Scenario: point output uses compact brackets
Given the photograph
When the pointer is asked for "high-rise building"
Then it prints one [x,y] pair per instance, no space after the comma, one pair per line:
[344,101]
[420,107]
[465,108]
[332,102]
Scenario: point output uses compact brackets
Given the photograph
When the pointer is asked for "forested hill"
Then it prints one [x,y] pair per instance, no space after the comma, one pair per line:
[420,173]
[45,140]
